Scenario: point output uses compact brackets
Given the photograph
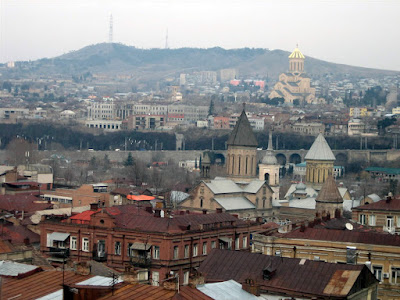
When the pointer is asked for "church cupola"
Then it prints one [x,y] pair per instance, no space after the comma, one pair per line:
[296,61]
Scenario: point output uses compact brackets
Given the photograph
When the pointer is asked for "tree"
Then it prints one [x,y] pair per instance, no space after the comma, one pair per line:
[129,160]
[211,108]
[296,102]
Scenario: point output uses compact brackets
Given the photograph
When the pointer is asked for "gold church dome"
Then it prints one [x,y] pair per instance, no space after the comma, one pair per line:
[296,54]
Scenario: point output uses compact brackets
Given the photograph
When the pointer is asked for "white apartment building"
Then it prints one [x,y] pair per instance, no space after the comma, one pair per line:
[107,125]
[102,110]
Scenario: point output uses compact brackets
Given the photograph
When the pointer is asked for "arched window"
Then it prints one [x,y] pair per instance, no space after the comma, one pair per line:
[247,159]
[264,199]
[266,177]
[201,202]
[239,163]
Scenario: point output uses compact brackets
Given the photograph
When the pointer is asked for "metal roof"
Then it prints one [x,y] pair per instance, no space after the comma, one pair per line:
[320,150]
[235,203]
[140,246]
[329,192]
[223,186]
[230,289]
[10,268]
[58,236]
[254,186]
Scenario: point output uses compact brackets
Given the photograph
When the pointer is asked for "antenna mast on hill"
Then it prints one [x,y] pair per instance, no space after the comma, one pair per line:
[110,33]
[166,40]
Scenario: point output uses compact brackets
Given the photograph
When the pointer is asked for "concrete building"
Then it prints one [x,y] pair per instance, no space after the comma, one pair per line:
[355,127]
[308,128]
[106,125]
[104,110]
[295,84]
[142,122]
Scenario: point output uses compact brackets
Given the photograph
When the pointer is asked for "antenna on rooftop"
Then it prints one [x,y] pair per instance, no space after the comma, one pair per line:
[110,33]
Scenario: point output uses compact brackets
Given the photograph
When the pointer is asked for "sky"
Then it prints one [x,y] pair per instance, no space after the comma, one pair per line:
[356,32]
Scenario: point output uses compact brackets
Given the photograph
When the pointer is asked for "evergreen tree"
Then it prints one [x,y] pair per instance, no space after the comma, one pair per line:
[195,163]
[129,160]
[211,108]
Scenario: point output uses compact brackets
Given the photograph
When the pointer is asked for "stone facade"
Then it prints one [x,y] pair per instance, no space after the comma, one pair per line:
[241,162]
[318,171]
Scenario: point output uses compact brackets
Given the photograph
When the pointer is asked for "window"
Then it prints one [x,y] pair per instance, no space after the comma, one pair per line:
[362,219]
[117,248]
[245,242]
[186,278]
[237,243]
[155,276]
[377,272]
[398,221]
[73,243]
[176,252]
[186,251]
[195,250]
[205,248]
[49,241]
[351,255]
[213,244]
[372,220]
[396,275]
[85,244]
[156,252]
[389,221]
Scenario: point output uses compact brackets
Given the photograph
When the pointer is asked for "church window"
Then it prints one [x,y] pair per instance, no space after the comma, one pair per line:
[201,202]
[247,158]
[256,202]
[266,177]
[264,202]
[233,164]
[239,163]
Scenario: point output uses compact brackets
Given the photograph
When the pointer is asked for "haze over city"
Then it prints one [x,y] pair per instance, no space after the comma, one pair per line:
[350,32]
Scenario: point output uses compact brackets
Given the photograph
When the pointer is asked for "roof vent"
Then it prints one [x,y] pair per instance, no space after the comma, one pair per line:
[268,273]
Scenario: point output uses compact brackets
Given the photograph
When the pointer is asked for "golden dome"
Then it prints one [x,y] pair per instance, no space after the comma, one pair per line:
[296,54]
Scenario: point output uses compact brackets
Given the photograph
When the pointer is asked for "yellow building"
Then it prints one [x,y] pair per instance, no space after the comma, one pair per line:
[294,84]
[339,241]
[320,159]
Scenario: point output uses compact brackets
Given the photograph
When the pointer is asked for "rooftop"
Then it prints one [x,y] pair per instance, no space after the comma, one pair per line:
[242,134]
[320,150]
[386,205]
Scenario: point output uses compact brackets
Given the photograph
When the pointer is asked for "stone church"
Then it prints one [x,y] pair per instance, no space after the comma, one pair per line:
[242,191]
[295,84]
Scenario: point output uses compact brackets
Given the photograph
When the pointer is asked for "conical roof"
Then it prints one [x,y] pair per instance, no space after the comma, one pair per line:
[320,150]
[329,192]
[296,54]
[269,157]
[242,134]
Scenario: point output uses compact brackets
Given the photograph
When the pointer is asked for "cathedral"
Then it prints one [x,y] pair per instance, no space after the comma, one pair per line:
[294,84]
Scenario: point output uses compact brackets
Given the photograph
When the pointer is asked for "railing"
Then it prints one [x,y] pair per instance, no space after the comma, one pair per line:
[140,261]
[99,256]
[390,229]
[59,252]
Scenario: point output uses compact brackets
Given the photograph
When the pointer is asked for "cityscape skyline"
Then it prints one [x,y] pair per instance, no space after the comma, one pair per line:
[342,32]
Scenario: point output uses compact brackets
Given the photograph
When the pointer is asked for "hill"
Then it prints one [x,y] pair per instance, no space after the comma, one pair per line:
[157,63]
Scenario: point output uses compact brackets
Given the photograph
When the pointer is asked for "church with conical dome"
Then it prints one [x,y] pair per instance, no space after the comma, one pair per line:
[294,84]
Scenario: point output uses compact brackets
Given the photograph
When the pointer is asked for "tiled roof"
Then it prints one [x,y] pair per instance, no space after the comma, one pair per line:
[392,205]
[329,192]
[18,234]
[242,134]
[38,285]
[320,150]
[291,276]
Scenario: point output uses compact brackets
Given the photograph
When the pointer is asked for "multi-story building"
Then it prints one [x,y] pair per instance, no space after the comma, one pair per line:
[358,112]
[82,196]
[221,122]
[13,113]
[106,125]
[339,241]
[104,110]
[157,243]
[308,128]
[355,127]
[383,215]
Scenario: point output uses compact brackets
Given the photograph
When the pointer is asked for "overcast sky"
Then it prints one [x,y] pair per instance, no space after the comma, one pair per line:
[360,32]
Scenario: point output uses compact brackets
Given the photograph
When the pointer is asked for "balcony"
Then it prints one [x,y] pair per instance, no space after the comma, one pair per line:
[99,256]
[140,261]
[59,252]
[390,229]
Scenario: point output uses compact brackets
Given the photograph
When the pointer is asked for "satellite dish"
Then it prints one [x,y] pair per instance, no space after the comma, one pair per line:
[349,226]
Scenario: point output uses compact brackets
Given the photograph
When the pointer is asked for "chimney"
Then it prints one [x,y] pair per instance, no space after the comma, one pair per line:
[259,220]
[219,210]
[157,213]
[302,227]
[389,197]
[204,211]
[251,287]
[94,206]
[148,209]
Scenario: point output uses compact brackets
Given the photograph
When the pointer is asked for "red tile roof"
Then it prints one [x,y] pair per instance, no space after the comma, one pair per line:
[18,234]
[38,285]
[291,275]
[393,204]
